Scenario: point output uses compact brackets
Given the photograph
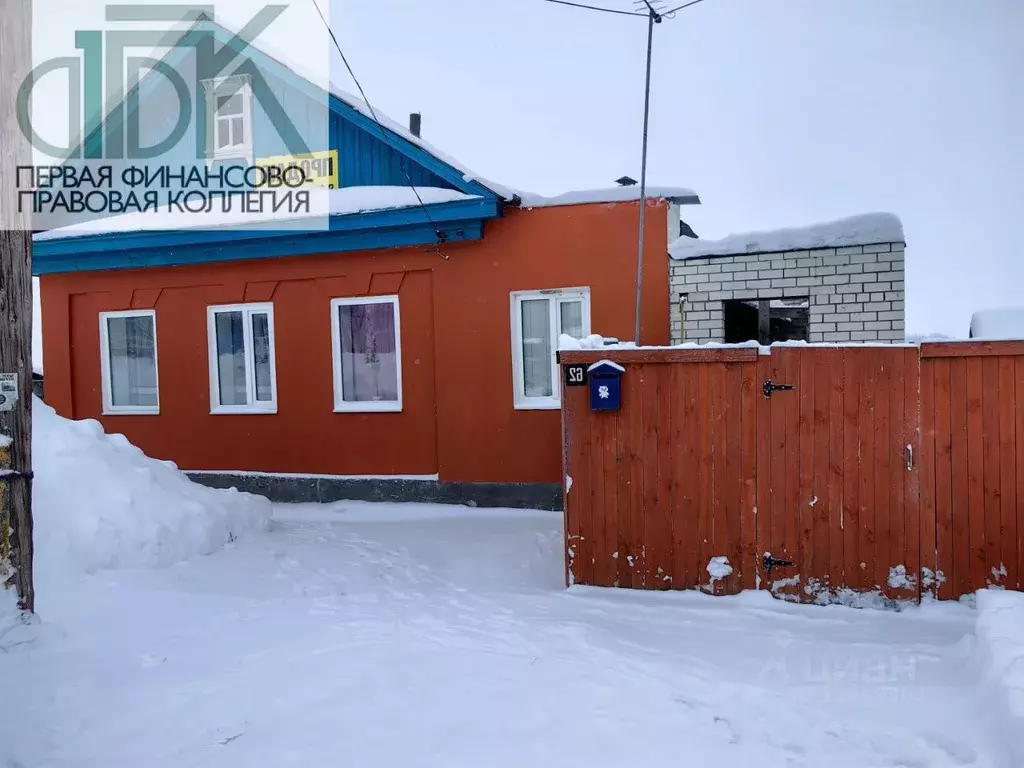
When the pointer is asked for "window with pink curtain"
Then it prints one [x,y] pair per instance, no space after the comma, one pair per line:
[368,348]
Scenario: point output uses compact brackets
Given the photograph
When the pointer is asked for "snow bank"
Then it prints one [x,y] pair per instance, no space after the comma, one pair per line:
[866,229]
[999,629]
[99,502]
[1001,323]
[322,202]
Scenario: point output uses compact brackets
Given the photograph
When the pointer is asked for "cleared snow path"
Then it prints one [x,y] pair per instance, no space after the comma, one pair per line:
[429,636]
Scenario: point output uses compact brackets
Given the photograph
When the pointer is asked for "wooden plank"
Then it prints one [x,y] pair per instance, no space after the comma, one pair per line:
[836,468]
[896,542]
[805,496]
[575,452]
[910,490]
[883,468]
[764,472]
[1008,473]
[705,458]
[962,349]
[689,481]
[748,471]
[990,466]
[960,513]
[975,474]
[926,462]
[606,506]
[660,567]
[679,477]
[585,484]
[630,485]
[793,361]
[653,517]
[850,518]
[719,474]
[627,357]
[820,509]
[1019,495]
[728,531]
[866,531]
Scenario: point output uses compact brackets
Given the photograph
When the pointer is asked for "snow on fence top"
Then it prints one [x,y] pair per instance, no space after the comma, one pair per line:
[322,202]
[865,229]
[1002,323]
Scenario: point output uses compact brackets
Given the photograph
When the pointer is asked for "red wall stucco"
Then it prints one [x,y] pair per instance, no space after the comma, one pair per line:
[458,418]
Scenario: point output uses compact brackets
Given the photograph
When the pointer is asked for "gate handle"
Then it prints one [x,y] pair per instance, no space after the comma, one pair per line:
[909,452]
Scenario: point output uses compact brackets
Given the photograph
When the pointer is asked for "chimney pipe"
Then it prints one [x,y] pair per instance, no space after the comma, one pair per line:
[415,120]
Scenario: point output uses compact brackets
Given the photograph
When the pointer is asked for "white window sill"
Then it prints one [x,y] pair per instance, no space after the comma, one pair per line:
[244,410]
[368,407]
[131,411]
[538,404]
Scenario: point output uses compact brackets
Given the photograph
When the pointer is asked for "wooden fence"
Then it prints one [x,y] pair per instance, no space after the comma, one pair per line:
[896,469]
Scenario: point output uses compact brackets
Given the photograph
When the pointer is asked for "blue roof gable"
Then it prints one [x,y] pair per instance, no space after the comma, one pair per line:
[371,151]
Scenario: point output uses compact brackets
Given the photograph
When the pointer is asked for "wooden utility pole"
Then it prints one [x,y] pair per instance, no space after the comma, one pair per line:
[15,311]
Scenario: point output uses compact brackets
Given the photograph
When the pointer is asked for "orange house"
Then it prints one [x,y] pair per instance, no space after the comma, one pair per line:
[404,351]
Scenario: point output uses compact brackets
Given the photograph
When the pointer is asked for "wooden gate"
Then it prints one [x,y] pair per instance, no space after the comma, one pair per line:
[806,491]
[667,482]
[837,471]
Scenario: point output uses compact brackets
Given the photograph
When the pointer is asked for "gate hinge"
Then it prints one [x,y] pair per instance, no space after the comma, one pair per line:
[771,562]
[769,387]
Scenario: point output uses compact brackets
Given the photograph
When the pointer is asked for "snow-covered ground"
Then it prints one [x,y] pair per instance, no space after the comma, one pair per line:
[360,634]
[422,635]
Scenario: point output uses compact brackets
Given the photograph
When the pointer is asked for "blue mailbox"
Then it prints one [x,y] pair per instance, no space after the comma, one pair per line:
[605,385]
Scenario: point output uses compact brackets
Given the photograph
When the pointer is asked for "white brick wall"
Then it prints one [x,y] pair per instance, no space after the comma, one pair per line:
[856,293]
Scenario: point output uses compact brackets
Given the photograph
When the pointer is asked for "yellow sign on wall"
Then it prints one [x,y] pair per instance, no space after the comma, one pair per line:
[319,169]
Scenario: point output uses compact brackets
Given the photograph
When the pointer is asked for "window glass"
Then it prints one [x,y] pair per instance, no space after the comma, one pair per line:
[131,350]
[536,348]
[368,352]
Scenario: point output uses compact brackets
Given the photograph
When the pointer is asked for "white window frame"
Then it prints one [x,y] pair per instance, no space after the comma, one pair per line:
[557,297]
[252,405]
[367,406]
[218,86]
[109,409]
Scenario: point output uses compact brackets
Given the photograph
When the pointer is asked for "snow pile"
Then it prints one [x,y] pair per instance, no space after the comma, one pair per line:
[322,203]
[99,502]
[718,568]
[866,229]
[1002,323]
[593,341]
[1000,633]
[609,195]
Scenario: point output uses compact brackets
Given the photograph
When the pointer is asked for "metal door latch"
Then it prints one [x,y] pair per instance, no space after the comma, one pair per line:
[769,387]
[771,562]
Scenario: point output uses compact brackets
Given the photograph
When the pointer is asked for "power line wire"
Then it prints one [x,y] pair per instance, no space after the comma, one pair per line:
[597,8]
[441,236]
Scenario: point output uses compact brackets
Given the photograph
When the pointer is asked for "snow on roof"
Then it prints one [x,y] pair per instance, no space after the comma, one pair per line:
[609,195]
[865,229]
[323,202]
[999,323]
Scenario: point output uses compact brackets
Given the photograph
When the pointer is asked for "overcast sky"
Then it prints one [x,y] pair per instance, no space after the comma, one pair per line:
[777,112]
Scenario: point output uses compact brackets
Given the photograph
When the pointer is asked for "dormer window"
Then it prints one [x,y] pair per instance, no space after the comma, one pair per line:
[229,107]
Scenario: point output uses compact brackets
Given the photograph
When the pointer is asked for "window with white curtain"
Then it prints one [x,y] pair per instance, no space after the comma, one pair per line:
[367,348]
[538,319]
[128,362]
[243,377]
